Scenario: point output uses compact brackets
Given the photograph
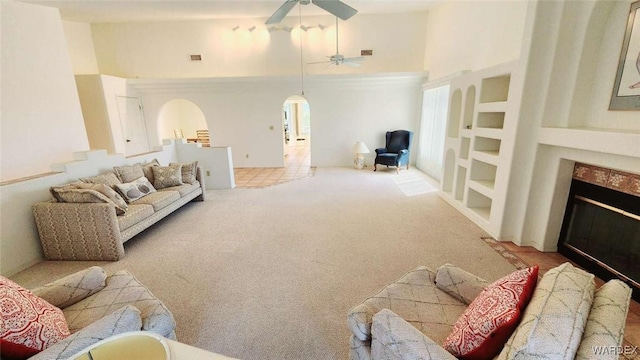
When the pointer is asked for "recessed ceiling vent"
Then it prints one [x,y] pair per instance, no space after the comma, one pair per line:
[196,57]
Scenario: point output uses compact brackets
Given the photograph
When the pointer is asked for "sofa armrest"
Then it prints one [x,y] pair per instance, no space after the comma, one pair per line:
[458,283]
[394,338]
[73,288]
[78,231]
[200,178]
[606,321]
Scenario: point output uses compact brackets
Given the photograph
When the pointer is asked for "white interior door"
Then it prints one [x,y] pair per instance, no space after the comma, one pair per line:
[133,127]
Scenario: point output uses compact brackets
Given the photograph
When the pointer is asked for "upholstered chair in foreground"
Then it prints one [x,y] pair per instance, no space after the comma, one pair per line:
[396,150]
[434,315]
[96,307]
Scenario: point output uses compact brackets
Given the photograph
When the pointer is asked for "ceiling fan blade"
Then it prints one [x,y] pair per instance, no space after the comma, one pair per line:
[319,62]
[355,59]
[282,11]
[336,7]
[352,63]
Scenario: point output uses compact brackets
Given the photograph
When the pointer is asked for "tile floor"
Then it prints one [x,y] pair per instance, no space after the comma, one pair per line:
[297,165]
[522,256]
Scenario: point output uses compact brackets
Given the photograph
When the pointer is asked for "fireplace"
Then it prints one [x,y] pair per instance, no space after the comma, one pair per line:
[601,226]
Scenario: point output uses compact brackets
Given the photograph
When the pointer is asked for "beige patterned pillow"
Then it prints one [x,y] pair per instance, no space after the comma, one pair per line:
[188,172]
[70,194]
[105,190]
[129,173]
[166,176]
[148,171]
[136,189]
[110,179]
[553,322]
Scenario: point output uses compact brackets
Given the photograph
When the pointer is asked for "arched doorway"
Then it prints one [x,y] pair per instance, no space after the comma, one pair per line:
[296,120]
[180,118]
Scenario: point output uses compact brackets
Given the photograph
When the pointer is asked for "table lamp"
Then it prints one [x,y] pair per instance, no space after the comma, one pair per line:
[359,149]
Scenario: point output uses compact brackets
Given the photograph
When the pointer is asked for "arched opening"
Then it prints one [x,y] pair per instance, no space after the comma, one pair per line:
[296,124]
[180,118]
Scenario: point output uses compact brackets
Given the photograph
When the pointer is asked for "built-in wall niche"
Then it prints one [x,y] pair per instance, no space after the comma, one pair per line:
[464,147]
[448,174]
[495,89]
[493,120]
[487,145]
[469,107]
[461,180]
[455,109]
[483,173]
[479,204]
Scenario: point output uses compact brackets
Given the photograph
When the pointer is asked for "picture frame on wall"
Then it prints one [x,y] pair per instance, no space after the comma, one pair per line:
[626,88]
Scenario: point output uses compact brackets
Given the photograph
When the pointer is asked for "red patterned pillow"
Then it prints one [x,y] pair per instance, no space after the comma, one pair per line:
[29,323]
[485,326]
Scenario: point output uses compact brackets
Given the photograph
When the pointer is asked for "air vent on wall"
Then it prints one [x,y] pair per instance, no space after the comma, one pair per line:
[196,57]
[366,52]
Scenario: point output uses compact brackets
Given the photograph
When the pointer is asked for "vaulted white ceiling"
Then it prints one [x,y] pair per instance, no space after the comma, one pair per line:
[105,11]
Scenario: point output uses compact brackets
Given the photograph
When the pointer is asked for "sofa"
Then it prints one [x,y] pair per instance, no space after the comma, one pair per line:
[92,218]
[77,311]
[419,315]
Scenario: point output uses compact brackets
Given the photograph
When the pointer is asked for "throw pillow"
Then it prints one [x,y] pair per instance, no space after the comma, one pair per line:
[485,326]
[148,171]
[89,193]
[166,176]
[110,179]
[129,173]
[188,172]
[553,323]
[136,189]
[29,324]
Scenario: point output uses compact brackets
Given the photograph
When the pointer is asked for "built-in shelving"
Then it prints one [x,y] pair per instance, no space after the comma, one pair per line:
[482,108]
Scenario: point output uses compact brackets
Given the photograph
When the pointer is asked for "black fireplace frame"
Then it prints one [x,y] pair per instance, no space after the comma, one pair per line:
[616,199]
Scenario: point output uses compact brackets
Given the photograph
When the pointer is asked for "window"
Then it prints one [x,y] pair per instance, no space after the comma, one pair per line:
[433,123]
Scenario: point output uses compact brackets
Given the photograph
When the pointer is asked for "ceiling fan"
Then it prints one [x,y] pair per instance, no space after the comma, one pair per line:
[338,59]
[335,7]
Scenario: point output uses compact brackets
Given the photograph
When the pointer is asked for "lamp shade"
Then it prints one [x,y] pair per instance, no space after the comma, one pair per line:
[360,148]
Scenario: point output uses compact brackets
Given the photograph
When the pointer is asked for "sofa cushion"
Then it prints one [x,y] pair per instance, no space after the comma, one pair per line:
[135,214]
[159,199]
[29,323]
[136,189]
[110,179]
[188,172]
[484,327]
[184,189]
[166,176]
[122,289]
[120,321]
[129,173]
[554,320]
[148,171]
[606,322]
[89,193]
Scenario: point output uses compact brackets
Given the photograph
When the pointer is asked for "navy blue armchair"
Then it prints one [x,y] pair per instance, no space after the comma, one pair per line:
[396,150]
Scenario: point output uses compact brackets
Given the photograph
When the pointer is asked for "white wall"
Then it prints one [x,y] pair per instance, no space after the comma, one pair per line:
[80,45]
[41,116]
[19,243]
[161,50]
[246,113]
[564,119]
[180,114]
[94,111]
[473,35]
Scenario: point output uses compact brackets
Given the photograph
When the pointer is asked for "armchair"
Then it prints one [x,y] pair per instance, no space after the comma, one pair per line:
[97,307]
[396,150]
[410,318]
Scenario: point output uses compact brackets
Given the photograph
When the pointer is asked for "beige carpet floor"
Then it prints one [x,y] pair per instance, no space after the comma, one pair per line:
[271,273]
